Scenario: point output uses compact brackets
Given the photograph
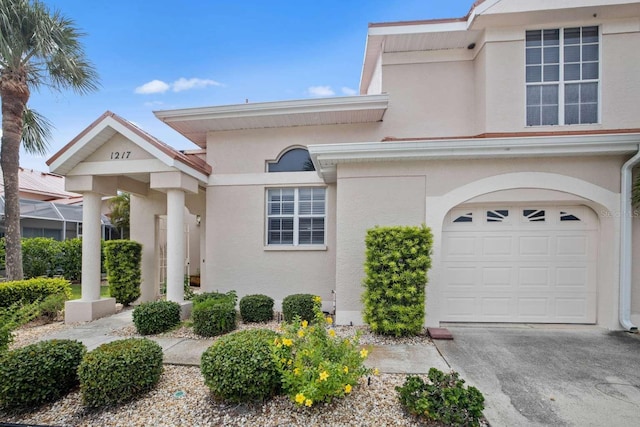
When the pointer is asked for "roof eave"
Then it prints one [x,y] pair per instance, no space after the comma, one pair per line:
[326,157]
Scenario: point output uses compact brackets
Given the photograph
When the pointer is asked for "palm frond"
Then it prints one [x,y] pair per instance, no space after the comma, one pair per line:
[36,132]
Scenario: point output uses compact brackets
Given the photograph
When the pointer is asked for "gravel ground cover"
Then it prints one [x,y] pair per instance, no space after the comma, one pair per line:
[182,399]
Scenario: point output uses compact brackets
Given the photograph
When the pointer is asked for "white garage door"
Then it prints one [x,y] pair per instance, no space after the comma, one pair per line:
[534,264]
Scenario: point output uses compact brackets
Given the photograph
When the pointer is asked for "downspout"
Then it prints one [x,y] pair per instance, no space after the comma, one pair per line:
[626,229]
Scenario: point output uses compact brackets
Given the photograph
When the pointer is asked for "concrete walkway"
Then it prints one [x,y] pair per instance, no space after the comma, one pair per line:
[396,359]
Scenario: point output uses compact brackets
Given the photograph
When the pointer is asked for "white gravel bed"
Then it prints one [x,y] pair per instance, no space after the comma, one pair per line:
[368,405]
[32,332]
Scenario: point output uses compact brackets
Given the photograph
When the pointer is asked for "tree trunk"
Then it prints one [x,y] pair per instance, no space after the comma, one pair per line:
[15,94]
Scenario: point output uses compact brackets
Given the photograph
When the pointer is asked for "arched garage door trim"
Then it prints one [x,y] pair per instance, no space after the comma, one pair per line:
[604,202]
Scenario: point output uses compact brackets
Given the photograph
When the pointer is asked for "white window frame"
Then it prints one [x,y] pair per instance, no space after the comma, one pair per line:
[561,83]
[296,221]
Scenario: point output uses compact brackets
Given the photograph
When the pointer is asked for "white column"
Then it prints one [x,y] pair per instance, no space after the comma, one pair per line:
[175,245]
[91,228]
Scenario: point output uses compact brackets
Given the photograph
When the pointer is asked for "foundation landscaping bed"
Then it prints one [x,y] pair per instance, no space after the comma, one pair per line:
[302,371]
[181,395]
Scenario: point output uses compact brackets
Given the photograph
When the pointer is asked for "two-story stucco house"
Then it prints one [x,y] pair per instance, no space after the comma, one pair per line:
[512,132]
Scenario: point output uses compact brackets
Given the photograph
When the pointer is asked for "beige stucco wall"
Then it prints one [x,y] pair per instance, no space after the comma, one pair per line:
[238,259]
[411,193]
[455,93]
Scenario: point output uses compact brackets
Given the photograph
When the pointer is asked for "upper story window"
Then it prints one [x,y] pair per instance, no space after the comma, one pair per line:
[562,75]
[294,160]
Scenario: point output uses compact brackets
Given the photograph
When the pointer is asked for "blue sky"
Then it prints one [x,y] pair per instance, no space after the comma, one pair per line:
[159,55]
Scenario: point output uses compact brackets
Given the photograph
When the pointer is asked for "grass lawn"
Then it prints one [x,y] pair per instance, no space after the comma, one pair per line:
[75,291]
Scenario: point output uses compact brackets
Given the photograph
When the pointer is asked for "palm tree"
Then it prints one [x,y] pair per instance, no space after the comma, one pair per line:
[37,48]
[120,208]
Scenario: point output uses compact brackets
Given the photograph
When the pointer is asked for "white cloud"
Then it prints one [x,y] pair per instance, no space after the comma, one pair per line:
[320,91]
[348,91]
[158,86]
[194,83]
[154,86]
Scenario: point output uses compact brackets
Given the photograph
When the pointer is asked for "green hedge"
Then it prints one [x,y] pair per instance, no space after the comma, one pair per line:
[396,265]
[256,308]
[70,259]
[240,367]
[31,290]
[298,305]
[155,317]
[40,256]
[119,371]
[39,373]
[122,261]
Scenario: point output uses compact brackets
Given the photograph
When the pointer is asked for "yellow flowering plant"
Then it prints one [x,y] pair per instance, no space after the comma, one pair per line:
[316,365]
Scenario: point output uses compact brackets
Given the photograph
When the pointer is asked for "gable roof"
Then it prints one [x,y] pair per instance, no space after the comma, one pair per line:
[104,128]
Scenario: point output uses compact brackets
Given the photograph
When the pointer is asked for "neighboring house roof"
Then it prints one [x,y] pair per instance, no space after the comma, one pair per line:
[107,125]
[194,123]
[42,185]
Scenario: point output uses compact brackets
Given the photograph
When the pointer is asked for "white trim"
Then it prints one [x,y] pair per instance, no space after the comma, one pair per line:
[268,178]
[326,157]
[296,217]
[66,162]
[261,109]
[284,248]
[119,167]
[604,202]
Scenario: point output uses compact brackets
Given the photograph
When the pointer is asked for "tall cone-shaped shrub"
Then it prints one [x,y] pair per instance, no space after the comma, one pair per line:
[122,261]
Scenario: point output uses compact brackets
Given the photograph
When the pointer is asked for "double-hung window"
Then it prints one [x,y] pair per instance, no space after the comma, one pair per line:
[296,216]
[562,76]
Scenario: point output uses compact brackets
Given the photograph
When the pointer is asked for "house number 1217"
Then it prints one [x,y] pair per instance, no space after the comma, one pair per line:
[120,155]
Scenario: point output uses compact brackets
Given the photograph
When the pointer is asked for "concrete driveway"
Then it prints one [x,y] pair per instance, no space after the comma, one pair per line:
[549,376]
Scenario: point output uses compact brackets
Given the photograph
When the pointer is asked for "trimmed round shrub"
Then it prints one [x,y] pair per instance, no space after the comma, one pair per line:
[240,367]
[119,371]
[213,317]
[298,305]
[39,373]
[156,317]
[230,297]
[256,308]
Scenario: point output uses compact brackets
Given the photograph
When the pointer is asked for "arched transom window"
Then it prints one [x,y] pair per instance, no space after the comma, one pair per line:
[294,160]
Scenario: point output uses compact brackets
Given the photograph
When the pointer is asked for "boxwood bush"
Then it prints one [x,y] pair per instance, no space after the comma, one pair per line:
[214,317]
[39,373]
[119,371]
[256,308]
[444,399]
[156,317]
[122,261]
[397,260]
[298,305]
[240,367]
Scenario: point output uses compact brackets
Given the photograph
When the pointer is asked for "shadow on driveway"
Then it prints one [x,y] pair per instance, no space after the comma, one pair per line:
[551,376]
